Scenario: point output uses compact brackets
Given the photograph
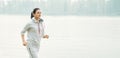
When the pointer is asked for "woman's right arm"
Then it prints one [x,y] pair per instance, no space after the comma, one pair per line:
[22,34]
[23,40]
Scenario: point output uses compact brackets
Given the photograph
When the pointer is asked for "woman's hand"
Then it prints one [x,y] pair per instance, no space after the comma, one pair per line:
[24,43]
[46,36]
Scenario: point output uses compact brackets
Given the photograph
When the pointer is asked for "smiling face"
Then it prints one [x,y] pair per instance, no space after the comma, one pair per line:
[37,14]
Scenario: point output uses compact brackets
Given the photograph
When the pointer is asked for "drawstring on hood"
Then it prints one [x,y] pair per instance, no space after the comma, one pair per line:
[40,21]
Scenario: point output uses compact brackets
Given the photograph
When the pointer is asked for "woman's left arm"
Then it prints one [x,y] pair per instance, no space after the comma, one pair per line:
[44,32]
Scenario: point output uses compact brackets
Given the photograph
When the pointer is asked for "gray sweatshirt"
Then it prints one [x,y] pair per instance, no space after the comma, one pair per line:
[35,30]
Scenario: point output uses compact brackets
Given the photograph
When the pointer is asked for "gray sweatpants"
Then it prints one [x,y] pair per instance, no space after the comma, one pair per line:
[33,49]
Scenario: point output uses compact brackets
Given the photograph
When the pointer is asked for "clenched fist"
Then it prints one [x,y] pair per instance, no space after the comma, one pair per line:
[24,43]
[46,36]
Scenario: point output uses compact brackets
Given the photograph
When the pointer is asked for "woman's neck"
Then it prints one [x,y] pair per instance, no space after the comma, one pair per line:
[36,18]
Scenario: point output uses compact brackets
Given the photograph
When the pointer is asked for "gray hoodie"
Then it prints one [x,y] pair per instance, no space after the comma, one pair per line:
[32,28]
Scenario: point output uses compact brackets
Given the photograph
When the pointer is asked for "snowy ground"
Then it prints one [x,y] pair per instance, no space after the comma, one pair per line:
[70,37]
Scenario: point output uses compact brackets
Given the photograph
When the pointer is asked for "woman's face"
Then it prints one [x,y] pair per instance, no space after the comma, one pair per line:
[37,14]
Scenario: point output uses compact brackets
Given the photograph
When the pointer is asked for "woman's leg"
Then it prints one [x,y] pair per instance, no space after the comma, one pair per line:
[33,51]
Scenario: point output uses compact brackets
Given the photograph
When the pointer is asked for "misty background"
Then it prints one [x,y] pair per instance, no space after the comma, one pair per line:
[77,28]
[62,7]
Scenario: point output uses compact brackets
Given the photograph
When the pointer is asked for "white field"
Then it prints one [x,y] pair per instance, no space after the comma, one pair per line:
[70,37]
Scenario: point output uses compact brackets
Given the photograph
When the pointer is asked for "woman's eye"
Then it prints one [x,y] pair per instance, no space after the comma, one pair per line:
[38,13]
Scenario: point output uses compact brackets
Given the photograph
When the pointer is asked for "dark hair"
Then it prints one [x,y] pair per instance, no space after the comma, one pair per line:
[33,12]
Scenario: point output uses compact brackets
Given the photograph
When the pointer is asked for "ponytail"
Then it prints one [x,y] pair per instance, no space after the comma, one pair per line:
[32,15]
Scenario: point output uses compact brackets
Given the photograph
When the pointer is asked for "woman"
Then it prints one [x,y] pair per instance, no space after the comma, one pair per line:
[35,31]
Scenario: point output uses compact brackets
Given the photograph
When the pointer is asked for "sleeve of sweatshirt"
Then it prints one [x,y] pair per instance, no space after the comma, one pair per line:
[44,26]
[26,27]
